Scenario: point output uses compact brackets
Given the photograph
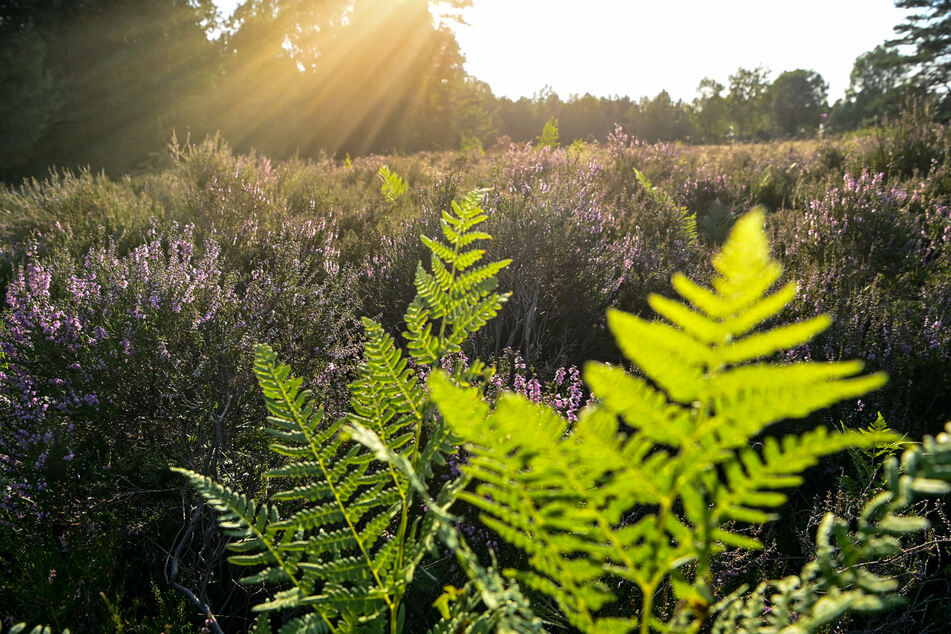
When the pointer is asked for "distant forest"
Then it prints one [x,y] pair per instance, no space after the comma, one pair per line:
[105,83]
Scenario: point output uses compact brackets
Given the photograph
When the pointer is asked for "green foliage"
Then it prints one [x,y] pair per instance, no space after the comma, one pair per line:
[878,86]
[458,296]
[351,543]
[107,106]
[688,219]
[926,28]
[747,104]
[717,221]
[798,98]
[549,135]
[591,505]
[29,98]
[868,460]
[471,145]
[21,628]
[393,187]
[840,578]
[663,119]
[503,607]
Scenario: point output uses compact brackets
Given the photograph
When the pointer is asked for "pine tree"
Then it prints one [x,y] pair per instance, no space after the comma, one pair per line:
[928,29]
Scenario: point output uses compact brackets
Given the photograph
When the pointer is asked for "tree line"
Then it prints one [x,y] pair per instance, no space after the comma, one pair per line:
[106,82]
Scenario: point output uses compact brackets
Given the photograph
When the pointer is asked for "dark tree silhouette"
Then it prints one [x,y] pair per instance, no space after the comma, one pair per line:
[928,30]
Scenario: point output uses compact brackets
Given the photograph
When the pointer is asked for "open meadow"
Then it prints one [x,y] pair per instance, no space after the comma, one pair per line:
[134,307]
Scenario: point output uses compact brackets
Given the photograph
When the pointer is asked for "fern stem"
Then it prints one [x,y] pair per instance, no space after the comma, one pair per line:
[406,497]
[418,433]
[647,606]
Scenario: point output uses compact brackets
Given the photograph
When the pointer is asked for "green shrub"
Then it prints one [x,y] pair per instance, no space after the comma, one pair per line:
[549,135]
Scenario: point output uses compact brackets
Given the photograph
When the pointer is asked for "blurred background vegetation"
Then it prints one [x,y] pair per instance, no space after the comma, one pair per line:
[105,83]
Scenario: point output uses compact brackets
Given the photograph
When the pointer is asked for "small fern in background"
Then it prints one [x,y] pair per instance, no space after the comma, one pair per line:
[653,502]
[470,144]
[549,135]
[868,461]
[717,221]
[393,187]
[349,548]
[688,219]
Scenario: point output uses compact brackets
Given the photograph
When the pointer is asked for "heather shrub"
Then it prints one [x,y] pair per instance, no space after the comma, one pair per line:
[117,364]
[98,379]
[365,219]
[71,210]
[703,189]
[875,257]
[569,249]
[908,146]
[626,153]
[228,195]
[774,180]
[388,275]
[865,225]
[563,390]
[775,175]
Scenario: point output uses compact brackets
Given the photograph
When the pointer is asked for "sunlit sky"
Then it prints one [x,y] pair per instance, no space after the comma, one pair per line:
[640,47]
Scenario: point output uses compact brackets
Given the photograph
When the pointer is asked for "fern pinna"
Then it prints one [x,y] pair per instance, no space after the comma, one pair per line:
[839,579]
[348,550]
[652,502]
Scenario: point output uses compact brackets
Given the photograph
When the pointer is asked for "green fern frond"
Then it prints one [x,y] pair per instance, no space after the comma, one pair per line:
[523,465]
[262,624]
[868,461]
[349,549]
[504,608]
[307,624]
[387,396]
[245,520]
[393,187]
[837,581]
[687,470]
[457,298]
[331,550]
[751,481]
[688,220]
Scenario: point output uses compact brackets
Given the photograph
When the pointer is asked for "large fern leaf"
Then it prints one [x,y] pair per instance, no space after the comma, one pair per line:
[348,550]
[673,484]
[331,549]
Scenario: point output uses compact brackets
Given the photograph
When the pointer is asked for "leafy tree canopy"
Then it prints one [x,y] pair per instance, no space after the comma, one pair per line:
[798,98]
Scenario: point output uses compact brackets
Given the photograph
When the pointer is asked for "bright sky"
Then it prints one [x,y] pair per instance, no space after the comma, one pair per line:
[640,47]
